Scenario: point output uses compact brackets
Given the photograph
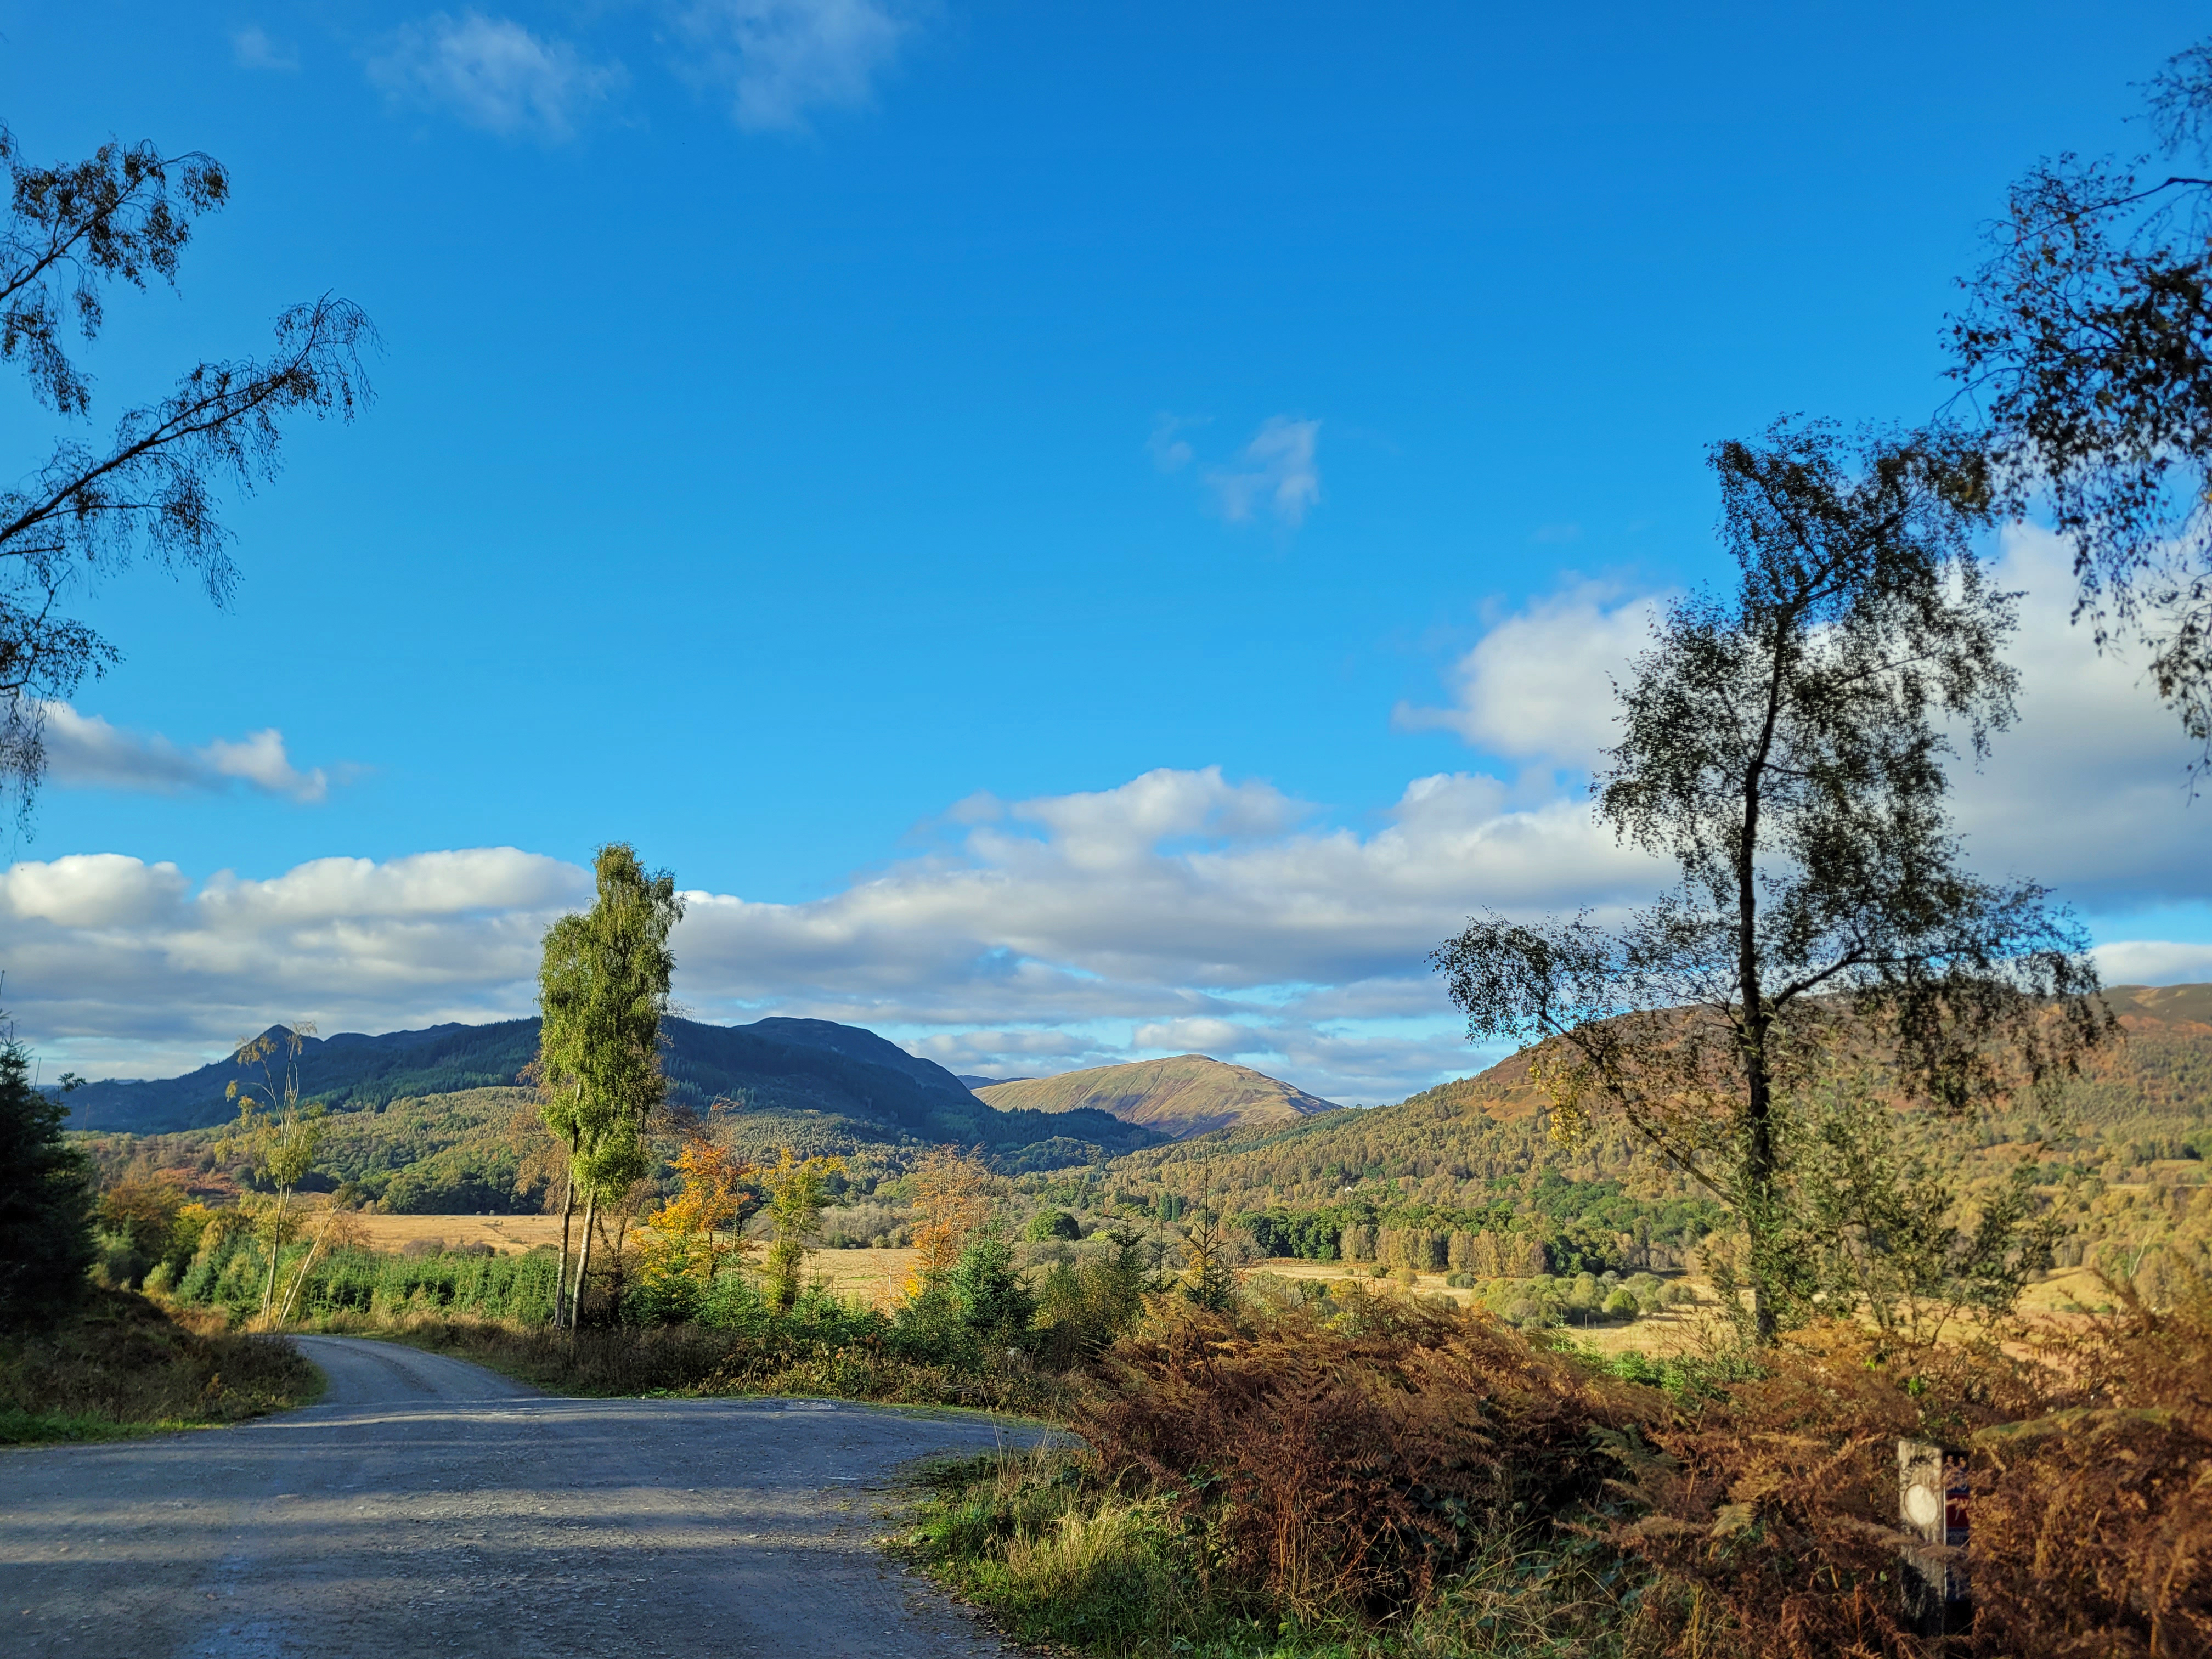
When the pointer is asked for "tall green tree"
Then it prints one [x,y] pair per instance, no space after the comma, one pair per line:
[69,234]
[603,992]
[46,1202]
[1785,744]
[2086,342]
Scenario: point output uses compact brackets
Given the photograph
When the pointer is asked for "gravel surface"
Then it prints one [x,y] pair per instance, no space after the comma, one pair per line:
[428,1507]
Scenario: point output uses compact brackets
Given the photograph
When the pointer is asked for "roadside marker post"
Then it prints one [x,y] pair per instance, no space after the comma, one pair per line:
[1932,1500]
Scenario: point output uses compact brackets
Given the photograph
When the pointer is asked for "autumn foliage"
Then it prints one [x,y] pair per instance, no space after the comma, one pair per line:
[689,1236]
[1369,1459]
[1351,1461]
[951,1200]
[2089,1457]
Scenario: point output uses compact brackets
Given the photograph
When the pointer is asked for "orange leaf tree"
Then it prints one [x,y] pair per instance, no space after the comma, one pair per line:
[694,1233]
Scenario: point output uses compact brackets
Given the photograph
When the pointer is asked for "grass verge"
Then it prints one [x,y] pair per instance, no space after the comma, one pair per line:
[1061,1557]
[124,1366]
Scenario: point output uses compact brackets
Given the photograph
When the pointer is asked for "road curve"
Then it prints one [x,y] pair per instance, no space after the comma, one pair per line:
[426,1506]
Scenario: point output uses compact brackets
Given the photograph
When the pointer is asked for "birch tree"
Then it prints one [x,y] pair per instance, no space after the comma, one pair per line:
[69,234]
[2086,342]
[1786,745]
[603,991]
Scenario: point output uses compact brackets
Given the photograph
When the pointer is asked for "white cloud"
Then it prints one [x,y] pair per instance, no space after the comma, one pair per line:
[1220,1038]
[2153,961]
[86,752]
[1180,910]
[1277,473]
[1169,450]
[1536,685]
[111,957]
[252,47]
[493,73]
[778,59]
[2085,793]
[1014,1052]
[1180,903]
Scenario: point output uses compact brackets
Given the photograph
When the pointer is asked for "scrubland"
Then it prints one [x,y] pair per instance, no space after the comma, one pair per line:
[124,1365]
[1382,1476]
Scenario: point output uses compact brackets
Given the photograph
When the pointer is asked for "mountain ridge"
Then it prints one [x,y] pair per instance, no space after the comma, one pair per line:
[841,1074]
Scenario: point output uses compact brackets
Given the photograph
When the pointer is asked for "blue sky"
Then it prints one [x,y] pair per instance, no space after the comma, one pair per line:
[808,430]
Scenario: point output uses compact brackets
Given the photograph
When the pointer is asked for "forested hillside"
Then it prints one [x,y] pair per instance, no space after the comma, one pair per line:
[810,1082]
[2120,1152]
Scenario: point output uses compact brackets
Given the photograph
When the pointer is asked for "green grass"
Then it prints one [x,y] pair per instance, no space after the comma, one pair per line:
[1057,1557]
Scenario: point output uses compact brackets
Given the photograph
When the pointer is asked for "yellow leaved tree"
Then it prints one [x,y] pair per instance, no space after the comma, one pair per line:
[692,1235]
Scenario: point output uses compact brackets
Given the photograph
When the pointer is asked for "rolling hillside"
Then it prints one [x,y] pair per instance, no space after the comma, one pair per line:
[835,1083]
[1188,1095]
[2125,1156]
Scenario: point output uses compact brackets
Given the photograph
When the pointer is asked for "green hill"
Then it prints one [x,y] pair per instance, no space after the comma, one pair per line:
[811,1081]
[1188,1095]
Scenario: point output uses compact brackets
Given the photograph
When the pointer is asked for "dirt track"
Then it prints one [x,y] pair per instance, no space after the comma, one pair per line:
[426,1506]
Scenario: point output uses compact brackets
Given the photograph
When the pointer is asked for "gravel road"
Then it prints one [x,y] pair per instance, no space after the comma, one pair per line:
[429,1507]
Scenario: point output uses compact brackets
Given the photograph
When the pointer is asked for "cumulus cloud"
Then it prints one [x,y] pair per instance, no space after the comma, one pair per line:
[86,752]
[776,60]
[494,73]
[1180,910]
[1183,910]
[113,956]
[1014,1052]
[2153,962]
[2089,792]
[1537,685]
[253,47]
[1217,1037]
[2086,792]
[1276,473]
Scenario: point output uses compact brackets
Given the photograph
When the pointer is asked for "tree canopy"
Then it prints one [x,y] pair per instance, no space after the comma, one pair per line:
[69,234]
[2087,340]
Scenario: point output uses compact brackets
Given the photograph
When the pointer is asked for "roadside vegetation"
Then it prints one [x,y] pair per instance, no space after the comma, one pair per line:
[1380,1479]
[124,1365]
[81,1359]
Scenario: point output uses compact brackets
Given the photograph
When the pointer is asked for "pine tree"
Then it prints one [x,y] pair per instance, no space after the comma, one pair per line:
[46,1203]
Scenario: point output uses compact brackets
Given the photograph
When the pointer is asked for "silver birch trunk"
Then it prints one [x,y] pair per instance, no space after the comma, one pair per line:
[584,1260]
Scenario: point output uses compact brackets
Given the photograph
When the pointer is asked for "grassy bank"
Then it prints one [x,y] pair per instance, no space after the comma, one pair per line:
[1060,1555]
[124,1366]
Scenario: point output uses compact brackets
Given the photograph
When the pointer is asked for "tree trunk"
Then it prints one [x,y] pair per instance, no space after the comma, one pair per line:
[306,1267]
[568,1210]
[620,1285]
[1759,1186]
[276,1250]
[583,1262]
[1759,1126]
